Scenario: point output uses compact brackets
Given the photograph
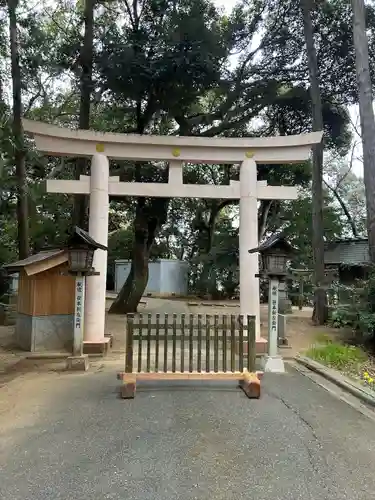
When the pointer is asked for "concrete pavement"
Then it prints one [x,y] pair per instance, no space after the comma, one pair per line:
[185,443]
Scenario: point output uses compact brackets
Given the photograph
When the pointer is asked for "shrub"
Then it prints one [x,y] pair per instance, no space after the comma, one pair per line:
[343,316]
[356,308]
[339,356]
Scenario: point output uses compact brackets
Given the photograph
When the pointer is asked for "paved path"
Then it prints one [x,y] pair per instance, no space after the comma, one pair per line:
[297,442]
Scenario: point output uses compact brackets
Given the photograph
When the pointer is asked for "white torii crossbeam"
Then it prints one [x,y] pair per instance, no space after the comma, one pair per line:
[180,190]
[176,151]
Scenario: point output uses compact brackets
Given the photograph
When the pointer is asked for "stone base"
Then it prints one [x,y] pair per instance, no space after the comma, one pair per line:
[77,363]
[273,364]
[260,346]
[251,385]
[45,333]
[100,348]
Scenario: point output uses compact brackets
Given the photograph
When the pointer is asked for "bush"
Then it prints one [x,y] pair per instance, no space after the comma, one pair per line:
[343,316]
[339,356]
[358,311]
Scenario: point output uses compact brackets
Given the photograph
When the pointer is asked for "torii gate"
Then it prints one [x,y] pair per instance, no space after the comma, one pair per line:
[100,147]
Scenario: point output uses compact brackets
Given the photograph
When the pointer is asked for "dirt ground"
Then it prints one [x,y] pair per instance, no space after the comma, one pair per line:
[300,333]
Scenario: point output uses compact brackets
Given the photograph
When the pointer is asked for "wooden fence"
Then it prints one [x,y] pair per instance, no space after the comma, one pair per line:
[188,347]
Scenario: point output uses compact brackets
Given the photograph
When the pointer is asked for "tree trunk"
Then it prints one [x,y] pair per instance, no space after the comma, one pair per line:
[204,279]
[208,228]
[264,210]
[1,93]
[320,300]
[86,60]
[19,148]
[131,293]
[148,220]
[366,115]
[205,251]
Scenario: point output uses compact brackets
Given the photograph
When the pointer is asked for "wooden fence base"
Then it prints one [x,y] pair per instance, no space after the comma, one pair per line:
[249,382]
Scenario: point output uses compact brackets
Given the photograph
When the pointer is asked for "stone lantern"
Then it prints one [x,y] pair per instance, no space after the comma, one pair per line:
[80,249]
[275,254]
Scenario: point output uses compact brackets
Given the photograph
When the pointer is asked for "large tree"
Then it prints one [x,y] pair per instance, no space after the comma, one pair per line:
[366,116]
[172,54]
[86,87]
[320,299]
[19,141]
[190,89]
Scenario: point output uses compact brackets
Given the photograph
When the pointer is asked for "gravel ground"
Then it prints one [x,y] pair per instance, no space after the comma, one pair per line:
[77,440]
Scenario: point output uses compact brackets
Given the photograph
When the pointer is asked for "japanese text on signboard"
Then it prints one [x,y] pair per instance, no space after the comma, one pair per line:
[79,304]
[274,292]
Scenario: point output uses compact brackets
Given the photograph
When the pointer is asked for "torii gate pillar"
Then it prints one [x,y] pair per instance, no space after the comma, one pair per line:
[94,339]
[248,238]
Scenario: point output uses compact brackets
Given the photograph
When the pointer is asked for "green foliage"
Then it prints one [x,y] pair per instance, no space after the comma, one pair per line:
[8,235]
[353,360]
[346,189]
[215,273]
[343,317]
[166,57]
[8,227]
[120,246]
[356,309]
[295,219]
[332,22]
[165,67]
[338,356]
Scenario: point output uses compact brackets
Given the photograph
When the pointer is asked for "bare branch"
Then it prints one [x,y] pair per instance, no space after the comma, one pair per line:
[344,208]
[130,14]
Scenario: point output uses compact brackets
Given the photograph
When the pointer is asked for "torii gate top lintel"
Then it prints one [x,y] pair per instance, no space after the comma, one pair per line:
[68,142]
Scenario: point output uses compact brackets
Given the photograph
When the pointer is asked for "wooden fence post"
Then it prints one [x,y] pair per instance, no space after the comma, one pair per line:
[129,343]
[251,344]
[240,349]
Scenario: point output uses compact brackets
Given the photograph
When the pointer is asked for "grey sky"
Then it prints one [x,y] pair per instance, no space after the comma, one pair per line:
[226,4]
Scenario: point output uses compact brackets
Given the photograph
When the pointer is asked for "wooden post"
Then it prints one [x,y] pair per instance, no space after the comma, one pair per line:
[129,381]
[148,348]
[174,342]
[191,344]
[182,365]
[232,343]
[225,342]
[199,361]
[157,340]
[129,344]
[208,338]
[140,341]
[240,353]
[251,344]
[165,364]
[251,383]
[216,343]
